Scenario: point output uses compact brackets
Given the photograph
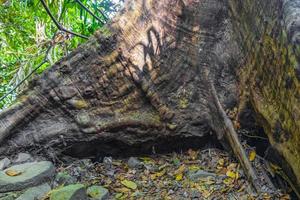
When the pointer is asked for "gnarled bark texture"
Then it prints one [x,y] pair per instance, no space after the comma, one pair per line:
[150,77]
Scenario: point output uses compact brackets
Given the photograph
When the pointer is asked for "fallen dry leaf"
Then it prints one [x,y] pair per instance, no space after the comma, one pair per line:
[252,155]
[221,162]
[159,174]
[231,174]
[179,177]
[12,172]
[228,181]
[129,184]
[180,170]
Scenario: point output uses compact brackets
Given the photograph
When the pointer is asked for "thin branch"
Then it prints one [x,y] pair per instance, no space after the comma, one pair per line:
[45,60]
[57,24]
[103,14]
[88,10]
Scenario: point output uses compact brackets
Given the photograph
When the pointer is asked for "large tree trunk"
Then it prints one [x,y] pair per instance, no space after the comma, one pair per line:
[164,70]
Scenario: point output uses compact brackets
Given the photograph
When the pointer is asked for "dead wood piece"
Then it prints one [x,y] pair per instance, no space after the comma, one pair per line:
[234,142]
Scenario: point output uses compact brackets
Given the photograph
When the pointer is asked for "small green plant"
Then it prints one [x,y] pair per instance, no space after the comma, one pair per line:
[27,31]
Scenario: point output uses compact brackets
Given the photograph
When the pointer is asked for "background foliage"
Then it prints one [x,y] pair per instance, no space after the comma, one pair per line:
[27,31]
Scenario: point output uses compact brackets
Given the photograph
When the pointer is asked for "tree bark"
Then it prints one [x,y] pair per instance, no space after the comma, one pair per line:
[160,72]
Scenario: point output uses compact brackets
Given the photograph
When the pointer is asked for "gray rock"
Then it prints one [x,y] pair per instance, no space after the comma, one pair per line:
[194,176]
[31,174]
[107,161]
[134,163]
[35,192]
[97,192]
[63,178]
[9,196]
[70,192]
[23,157]
[5,162]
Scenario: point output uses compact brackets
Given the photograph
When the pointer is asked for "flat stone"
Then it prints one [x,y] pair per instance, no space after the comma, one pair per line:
[31,174]
[5,162]
[9,196]
[34,193]
[194,176]
[97,192]
[70,192]
[134,163]
[23,157]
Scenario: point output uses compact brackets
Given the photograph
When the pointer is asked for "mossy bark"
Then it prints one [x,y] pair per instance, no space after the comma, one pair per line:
[268,31]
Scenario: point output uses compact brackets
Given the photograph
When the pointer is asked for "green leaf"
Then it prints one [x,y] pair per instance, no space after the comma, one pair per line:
[129,184]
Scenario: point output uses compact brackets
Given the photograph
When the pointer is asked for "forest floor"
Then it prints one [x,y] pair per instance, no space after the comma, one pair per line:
[206,174]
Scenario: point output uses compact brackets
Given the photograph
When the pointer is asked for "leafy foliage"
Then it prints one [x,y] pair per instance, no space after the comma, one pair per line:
[27,31]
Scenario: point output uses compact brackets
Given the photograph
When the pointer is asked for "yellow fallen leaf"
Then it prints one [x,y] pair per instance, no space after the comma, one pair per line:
[194,168]
[221,162]
[179,177]
[266,196]
[129,184]
[231,174]
[285,197]
[180,170]
[153,176]
[147,160]
[12,172]
[79,104]
[206,193]
[193,154]
[252,155]
[159,174]
[275,167]
[228,181]
[232,166]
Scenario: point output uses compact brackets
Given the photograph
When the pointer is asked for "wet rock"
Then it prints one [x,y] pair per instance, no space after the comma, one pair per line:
[23,157]
[97,192]
[63,178]
[134,163]
[28,175]
[4,163]
[35,192]
[195,175]
[9,196]
[70,192]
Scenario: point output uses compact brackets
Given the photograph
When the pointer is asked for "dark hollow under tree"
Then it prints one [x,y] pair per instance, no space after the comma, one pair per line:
[167,70]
